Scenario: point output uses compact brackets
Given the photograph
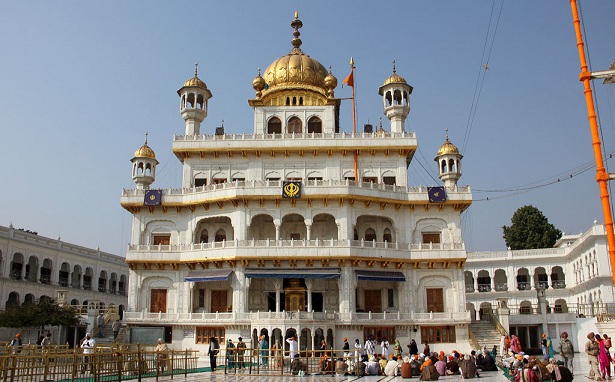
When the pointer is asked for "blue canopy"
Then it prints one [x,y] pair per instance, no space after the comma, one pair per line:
[293,273]
[208,275]
[380,275]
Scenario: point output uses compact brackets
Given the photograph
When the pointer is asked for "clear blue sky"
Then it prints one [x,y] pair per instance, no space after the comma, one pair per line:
[81,82]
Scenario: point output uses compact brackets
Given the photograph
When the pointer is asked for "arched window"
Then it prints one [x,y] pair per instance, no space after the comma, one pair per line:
[204,237]
[387,235]
[451,165]
[314,125]
[220,235]
[370,235]
[294,125]
[274,126]
[443,169]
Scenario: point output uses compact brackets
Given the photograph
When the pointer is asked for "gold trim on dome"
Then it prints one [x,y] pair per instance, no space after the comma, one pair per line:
[447,147]
[145,152]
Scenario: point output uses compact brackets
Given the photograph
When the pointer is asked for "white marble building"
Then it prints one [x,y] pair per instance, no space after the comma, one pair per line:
[347,249]
[551,290]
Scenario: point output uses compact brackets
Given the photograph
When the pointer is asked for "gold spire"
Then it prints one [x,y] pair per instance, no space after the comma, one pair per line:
[145,151]
[448,147]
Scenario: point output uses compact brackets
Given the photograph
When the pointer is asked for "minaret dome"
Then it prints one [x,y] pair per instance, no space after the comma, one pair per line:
[194,97]
[449,163]
[395,94]
[144,166]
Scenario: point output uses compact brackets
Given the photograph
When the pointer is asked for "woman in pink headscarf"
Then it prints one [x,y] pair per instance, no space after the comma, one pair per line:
[515,345]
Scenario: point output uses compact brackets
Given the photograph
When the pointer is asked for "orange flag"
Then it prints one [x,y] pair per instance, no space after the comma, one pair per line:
[350,79]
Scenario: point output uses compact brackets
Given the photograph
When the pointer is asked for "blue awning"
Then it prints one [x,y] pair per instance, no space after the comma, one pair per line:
[380,275]
[293,273]
[208,275]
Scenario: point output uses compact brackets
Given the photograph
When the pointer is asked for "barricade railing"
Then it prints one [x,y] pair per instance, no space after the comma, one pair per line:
[116,363]
[278,362]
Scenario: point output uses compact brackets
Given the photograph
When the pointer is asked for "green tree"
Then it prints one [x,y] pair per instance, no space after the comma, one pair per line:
[530,229]
[45,312]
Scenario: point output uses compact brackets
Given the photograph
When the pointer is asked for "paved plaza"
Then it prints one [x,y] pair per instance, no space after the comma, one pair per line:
[581,368]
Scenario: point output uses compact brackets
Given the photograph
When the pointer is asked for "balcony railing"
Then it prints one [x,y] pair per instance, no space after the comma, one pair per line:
[524,286]
[484,287]
[542,285]
[501,287]
[317,243]
[558,284]
[63,281]
[409,318]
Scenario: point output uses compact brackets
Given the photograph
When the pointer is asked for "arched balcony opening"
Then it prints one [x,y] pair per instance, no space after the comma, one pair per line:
[220,226]
[558,279]
[484,281]
[500,280]
[46,272]
[315,125]
[469,281]
[113,283]
[261,227]
[293,227]
[29,299]
[76,277]
[102,281]
[87,278]
[17,266]
[12,301]
[541,280]
[63,275]
[32,269]
[122,286]
[274,126]
[525,307]
[523,279]
[560,306]
[323,227]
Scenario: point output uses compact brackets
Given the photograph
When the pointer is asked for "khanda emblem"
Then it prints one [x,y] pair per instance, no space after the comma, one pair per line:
[291,190]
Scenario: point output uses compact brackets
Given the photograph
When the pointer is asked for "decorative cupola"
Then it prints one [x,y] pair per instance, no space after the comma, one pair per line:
[449,163]
[144,166]
[194,97]
[395,94]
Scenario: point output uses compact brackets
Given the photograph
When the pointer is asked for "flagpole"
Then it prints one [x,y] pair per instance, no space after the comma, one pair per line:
[602,177]
[354,123]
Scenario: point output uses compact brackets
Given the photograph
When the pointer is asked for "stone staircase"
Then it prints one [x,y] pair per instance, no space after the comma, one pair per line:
[485,334]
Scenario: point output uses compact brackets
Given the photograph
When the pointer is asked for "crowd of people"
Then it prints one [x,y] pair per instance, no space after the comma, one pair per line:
[362,359]
[525,368]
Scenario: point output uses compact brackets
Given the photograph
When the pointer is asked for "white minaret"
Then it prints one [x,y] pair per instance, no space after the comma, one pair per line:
[144,166]
[449,163]
[194,97]
[395,94]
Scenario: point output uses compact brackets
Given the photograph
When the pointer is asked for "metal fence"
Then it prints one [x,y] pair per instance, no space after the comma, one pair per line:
[117,363]
[278,362]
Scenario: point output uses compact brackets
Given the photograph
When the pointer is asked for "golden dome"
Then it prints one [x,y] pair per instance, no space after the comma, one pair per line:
[195,81]
[296,69]
[448,148]
[394,78]
[145,152]
[259,82]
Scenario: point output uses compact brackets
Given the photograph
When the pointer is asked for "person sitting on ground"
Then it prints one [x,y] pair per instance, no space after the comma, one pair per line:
[529,373]
[360,367]
[372,367]
[428,371]
[440,365]
[560,373]
[415,365]
[488,363]
[297,365]
[382,363]
[341,367]
[392,367]
[452,366]
[468,367]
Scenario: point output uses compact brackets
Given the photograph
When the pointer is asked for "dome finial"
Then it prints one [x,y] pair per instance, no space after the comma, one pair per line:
[196,69]
[394,71]
[146,137]
[296,24]
[447,134]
